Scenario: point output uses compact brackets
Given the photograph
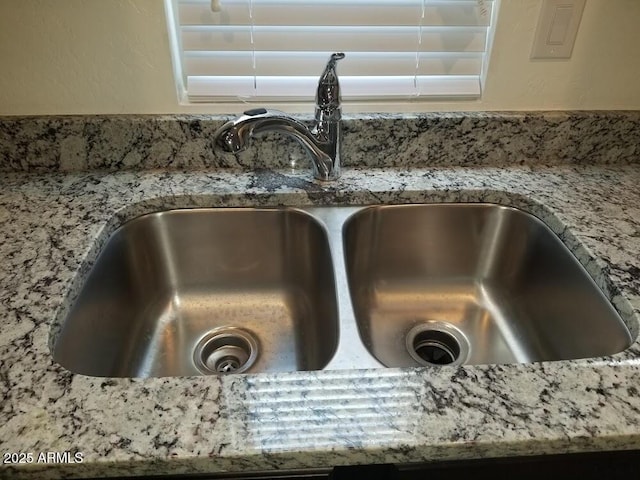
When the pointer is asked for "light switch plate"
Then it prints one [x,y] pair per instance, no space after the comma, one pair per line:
[557,28]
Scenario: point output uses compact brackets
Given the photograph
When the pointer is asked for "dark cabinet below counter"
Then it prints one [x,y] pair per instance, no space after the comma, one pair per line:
[585,466]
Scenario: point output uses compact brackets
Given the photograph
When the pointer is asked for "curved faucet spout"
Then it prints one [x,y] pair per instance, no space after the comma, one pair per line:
[321,144]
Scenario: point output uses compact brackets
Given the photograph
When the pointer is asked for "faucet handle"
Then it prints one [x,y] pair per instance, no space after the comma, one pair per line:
[328,94]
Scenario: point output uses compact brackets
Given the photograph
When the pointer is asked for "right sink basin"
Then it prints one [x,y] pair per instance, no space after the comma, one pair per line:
[473,284]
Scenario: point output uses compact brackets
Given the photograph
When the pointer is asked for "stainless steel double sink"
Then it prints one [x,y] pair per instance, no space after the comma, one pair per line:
[216,291]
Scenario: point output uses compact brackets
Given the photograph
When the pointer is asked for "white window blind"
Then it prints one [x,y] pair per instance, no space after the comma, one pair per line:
[276,49]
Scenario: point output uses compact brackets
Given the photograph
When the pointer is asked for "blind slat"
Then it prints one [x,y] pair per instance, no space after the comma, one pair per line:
[363,39]
[312,13]
[301,63]
[352,87]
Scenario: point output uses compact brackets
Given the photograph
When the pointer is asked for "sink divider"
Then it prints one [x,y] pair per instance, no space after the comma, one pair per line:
[350,352]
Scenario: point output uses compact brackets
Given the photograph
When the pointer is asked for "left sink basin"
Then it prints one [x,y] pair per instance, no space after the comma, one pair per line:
[205,291]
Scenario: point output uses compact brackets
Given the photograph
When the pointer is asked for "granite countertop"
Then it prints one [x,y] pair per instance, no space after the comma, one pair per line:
[53,223]
[68,182]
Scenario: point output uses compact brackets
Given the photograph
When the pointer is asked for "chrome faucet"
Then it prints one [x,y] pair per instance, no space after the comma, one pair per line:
[322,142]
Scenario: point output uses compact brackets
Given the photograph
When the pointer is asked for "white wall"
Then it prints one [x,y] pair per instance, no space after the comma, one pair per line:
[112,56]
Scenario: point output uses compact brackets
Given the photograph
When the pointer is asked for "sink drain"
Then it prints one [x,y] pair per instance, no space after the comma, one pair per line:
[226,350]
[437,343]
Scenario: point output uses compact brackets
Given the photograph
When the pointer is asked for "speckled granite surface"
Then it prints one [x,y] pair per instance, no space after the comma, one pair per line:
[52,223]
[76,143]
